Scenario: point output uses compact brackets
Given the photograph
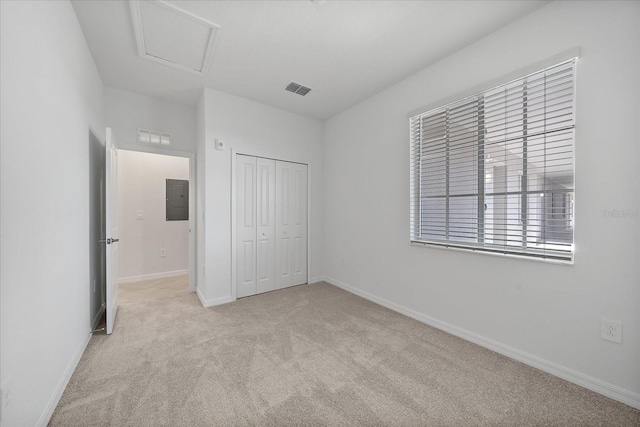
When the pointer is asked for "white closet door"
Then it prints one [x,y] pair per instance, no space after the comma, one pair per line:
[299,224]
[266,225]
[246,226]
[291,224]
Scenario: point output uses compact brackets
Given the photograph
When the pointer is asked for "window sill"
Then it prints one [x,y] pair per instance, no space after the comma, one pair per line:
[496,252]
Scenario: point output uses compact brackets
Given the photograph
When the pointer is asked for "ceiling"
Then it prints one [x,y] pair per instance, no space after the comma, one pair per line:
[345,51]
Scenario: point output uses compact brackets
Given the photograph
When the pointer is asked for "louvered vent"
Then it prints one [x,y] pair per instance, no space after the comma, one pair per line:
[297,88]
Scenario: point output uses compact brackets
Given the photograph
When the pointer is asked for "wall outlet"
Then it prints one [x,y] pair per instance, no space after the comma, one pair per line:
[163,252]
[139,215]
[611,330]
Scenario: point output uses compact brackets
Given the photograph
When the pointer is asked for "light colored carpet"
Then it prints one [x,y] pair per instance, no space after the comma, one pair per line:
[309,355]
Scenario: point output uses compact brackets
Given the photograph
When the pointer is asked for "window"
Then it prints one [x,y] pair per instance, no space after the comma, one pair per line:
[494,171]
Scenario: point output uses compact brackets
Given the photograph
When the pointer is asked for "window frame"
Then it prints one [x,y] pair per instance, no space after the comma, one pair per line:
[477,97]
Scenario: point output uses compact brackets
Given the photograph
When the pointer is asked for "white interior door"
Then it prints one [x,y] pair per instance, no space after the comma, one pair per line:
[266,225]
[245,226]
[291,224]
[112,236]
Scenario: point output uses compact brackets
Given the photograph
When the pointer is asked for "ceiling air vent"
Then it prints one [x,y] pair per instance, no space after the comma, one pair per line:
[297,88]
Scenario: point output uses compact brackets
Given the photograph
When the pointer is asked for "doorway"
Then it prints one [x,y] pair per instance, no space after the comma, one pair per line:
[155,243]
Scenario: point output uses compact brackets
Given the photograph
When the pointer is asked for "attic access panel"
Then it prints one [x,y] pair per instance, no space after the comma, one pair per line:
[177,196]
[172,36]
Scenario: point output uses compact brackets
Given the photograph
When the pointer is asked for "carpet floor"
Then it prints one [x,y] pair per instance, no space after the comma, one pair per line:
[308,355]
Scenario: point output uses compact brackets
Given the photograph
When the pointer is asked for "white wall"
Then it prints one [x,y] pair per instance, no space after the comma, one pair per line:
[51,101]
[200,201]
[126,112]
[142,187]
[256,129]
[545,314]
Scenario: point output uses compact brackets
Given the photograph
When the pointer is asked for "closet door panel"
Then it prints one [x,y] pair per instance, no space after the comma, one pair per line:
[299,224]
[291,224]
[266,226]
[246,226]
[283,226]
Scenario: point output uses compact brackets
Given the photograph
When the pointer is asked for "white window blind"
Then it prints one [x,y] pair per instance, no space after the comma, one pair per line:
[495,171]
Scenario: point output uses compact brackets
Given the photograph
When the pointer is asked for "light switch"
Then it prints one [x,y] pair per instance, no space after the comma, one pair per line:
[138,214]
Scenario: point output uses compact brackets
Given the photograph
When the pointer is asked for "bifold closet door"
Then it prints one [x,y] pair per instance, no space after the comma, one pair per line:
[246,226]
[266,224]
[291,224]
[271,225]
[255,244]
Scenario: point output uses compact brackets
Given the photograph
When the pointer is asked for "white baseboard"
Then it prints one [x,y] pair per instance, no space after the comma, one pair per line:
[46,415]
[133,279]
[316,279]
[214,301]
[610,390]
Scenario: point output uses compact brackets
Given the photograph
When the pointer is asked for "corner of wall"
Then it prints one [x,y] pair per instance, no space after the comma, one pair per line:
[200,192]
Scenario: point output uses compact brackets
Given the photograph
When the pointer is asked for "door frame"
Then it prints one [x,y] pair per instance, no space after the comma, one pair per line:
[192,200]
[234,156]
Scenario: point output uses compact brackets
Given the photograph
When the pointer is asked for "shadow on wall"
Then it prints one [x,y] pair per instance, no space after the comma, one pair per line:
[96,228]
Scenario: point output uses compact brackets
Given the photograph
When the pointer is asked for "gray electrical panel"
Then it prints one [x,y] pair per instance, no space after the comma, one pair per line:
[177,199]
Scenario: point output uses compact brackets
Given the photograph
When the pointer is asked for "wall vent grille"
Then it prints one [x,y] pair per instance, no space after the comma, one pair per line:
[297,88]
[152,137]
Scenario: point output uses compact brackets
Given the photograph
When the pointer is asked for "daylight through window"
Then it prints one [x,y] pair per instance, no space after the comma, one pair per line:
[494,172]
